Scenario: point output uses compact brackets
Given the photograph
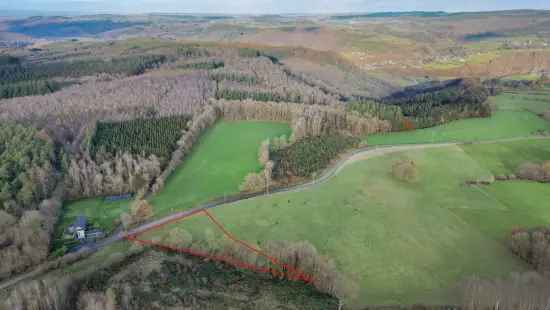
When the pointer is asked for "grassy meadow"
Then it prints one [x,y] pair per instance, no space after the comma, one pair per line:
[217,165]
[402,243]
[516,115]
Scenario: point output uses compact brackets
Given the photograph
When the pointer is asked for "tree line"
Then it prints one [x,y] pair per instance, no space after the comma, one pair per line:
[116,175]
[305,120]
[29,88]
[26,79]
[533,246]
[298,257]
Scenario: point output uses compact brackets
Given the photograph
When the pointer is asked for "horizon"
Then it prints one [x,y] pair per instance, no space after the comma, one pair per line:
[52,13]
[259,7]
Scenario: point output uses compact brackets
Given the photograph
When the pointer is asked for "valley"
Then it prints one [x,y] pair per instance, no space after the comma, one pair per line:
[340,161]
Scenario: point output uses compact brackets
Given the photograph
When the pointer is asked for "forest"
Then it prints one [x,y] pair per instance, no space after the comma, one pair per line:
[28,164]
[440,102]
[28,177]
[19,78]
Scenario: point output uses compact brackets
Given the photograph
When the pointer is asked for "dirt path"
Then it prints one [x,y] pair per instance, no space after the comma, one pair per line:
[352,157]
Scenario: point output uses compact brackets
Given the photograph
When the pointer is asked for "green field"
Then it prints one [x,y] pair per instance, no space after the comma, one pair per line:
[216,166]
[505,158]
[403,243]
[516,116]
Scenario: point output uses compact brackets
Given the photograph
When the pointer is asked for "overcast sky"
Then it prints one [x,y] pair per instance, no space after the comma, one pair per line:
[267,6]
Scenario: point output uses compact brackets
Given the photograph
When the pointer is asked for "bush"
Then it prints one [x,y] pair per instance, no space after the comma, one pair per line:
[534,172]
[141,210]
[546,167]
[253,182]
[405,170]
[302,256]
[533,246]
[310,154]
[520,292]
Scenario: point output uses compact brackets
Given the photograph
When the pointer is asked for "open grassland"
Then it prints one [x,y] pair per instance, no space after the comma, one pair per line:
[217,165]
[505,158]
[516,116]
[401,242]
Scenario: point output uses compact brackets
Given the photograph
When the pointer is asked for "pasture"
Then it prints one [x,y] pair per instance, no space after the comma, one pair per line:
[516,116]
[401,242]
[217,165]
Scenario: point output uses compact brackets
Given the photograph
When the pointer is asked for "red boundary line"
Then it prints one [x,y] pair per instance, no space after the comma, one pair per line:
[287,271]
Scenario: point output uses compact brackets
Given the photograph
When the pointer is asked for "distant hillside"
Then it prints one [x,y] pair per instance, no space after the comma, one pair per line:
[59,28]
[393,14]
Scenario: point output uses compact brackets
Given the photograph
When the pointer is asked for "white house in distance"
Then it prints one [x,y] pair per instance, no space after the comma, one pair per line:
[78,227]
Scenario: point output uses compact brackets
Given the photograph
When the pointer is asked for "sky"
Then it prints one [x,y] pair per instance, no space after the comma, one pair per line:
[266,6]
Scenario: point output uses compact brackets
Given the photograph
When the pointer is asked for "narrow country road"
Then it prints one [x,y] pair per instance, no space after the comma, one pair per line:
[354,156]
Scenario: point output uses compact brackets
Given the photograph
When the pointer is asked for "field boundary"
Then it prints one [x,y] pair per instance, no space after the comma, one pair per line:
[277,270]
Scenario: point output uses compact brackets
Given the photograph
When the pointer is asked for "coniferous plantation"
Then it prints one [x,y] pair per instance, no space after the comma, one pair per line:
[310,155]
[346,161]
[140,136]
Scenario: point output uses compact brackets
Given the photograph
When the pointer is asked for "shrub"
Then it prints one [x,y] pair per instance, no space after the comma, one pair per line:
[303,256]
[405,170]
[126,220]
[253,182]
[263,152]
[534,172]
[96,301]
[179,237]
[520,292]
[141,210]
[533,246]
[546,167]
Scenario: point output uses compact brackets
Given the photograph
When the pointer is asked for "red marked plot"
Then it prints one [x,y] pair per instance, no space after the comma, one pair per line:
[276,268]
